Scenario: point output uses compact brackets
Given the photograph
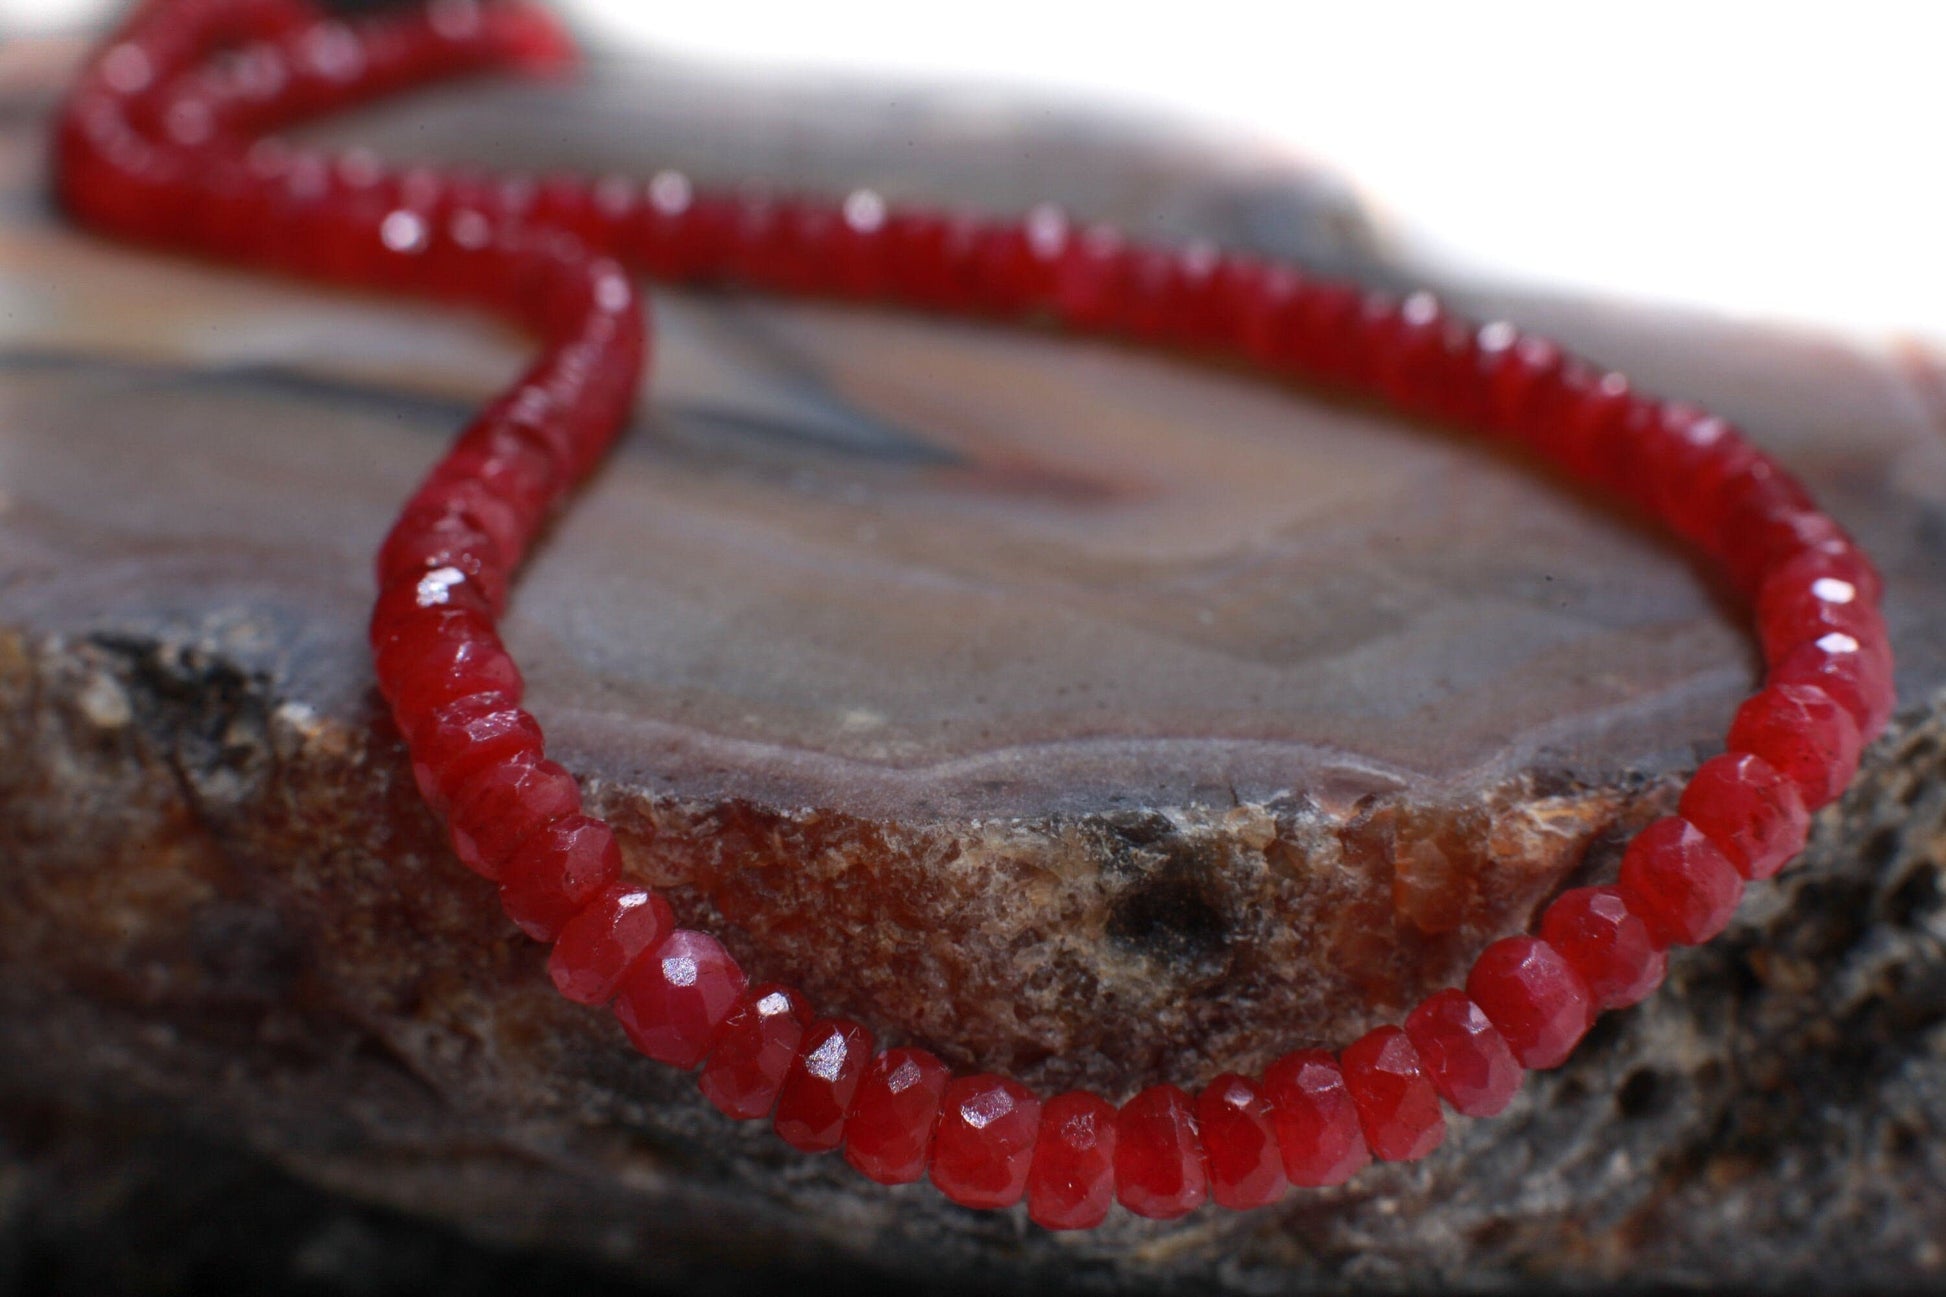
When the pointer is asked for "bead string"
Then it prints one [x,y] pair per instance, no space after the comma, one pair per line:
[165,140]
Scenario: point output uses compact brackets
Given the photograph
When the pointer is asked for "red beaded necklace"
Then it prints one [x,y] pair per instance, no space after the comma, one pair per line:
[164,140]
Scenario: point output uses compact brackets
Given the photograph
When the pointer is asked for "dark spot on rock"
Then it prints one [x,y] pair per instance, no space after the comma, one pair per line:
[245,950]
[1169,918]
[1645,1093]
[1880,849]
[1140,829]
[1916,898]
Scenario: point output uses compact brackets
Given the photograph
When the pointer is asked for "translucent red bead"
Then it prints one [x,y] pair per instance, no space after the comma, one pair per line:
[889,1133]
[984,1143]
[1160,1170]
[674,1003]
[1244,1163]
[1316,1121]
[600,944]
[1534,997]
[820,1084]
[1804,734]
[1681,885]
[754,1052]
[1462,1053]
[1398,1109]
[1071,1178]
[1749,811]
[180,156]
[1607,943]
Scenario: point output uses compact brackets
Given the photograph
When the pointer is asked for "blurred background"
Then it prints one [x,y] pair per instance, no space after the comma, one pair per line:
[1773,160]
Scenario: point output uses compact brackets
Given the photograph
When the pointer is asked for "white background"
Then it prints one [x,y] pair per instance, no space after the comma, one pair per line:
[1771,159]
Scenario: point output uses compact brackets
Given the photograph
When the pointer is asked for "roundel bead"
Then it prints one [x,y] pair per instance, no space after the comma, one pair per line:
[890,1129]
[1530,991]
[1463,1055]
[1397,1105]
[1681,885]
[1071,1181]
[1316,1121]
[1607,943]
[820,1085]
[674,1003]
[1749,811]
[983,1146]
[746,1069]
[1160,1170]
[1246,1167]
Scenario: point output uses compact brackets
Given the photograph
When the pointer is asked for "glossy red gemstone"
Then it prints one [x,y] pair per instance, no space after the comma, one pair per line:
[1856,678]
[455,742]
[1315,1119]
[984,1142]
[1805,734]
[1530,991]
[555,872]
[1246,1167]
[1793,609]
[1071,1181]
[821,1083]
[1748,811]
[1463,1055]
[754,1052]
[1607,943]
[1682,886]
[1842,562]
[500,807]
[1160,1171]
[1090,283]
[1397,1105]
[600,944]
[889,1133]
[673,1003]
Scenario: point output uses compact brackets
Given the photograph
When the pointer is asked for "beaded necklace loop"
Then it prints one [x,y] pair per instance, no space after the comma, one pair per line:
[163,142]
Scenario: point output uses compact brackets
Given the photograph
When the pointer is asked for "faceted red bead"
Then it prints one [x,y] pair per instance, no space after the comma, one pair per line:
[418,545]
[1857,678]
[1246,1167]
[1767,518]
[1323,315]
[1805,734]
[821,1083]
[557,871]
[889,1132]
[1843,562]
[746,1069]
[1090,284]
[1681,885]
[1397,1105]
[1607,943]
[1698,456]
[455,742]
[505,804]
[1071,1182]
[1748,810]
[1519,370]
[1531,992]
[1794,610]
[1315,1119]
[439,654]
[1466,1059]
[600,944]
[673,1004]
[984,1143]
[1160,1170]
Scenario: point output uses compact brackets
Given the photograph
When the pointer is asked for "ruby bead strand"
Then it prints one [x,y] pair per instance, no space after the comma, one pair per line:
[161,144]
